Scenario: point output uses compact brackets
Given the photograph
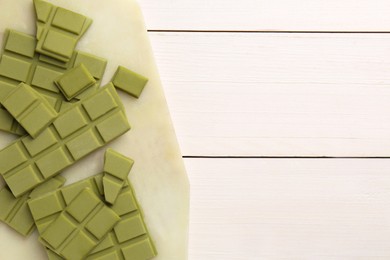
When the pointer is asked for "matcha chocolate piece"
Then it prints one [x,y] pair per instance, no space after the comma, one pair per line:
[58,30]
[16,67]
[15,212]
[30,109]
[80,227]
[46,208]
[116,171]
[75,81]
[39,72]
[9,124]
[128,240]
[75,133]
[129,81]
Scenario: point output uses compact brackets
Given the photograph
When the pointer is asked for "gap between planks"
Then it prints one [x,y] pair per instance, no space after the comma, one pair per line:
[300,32]
[267,15]
[279,157]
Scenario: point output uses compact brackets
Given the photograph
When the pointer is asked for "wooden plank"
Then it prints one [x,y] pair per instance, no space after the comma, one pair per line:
[277,94]
[267,15]
[289,209]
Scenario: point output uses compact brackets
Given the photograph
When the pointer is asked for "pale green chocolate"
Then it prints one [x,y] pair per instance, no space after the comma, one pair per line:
[58,30]
[48,186]
[130,238]
[14,68]
[15,212]
[7,122]
[19,43]
[80,227]
[75,81]
[43,71]
[129,81]
[129,235]
[47,207]
[32,111]
[57,44]
[95,65]
[52,256]
[101,120]
[116,171]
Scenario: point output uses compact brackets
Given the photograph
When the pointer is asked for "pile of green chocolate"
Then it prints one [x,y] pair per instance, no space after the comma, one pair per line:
[50,96]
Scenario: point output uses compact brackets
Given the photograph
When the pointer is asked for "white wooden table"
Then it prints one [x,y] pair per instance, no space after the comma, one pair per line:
[260,91]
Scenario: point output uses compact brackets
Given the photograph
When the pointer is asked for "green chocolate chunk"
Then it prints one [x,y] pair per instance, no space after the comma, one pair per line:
[43,10]
[20,43]
[8,124]
[5,90]
[30,109]
[52,256]
[23,167]
[68,20]
[95,65]
[129,81]
[14,156]
[80,227]
[47,207]
[20,99]
[38,118]
[75,81]
[36,145]
[108,132]
[70,122]
[50,164]
[12,207]
[86,93]
[44,78]
[19,64]
[15,212]
[58,30]
[130,238]
[14,68]
[117,164]
[23,179]
[83,144]
[116,171]
[6,121]
[101,104]
[121,242]
[134,224]
[57,63]
[143,249]
[47,186]
[82,205]
[59,44]
[65,106]
[51,100]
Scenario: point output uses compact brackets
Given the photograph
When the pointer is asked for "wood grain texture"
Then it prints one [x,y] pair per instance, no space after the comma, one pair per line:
[240,94]
[304,209]
[267,15]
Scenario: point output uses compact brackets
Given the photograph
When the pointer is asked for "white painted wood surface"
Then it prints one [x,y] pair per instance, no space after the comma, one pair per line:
[303,209]
[280,94]
[240,94]
[267,15]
